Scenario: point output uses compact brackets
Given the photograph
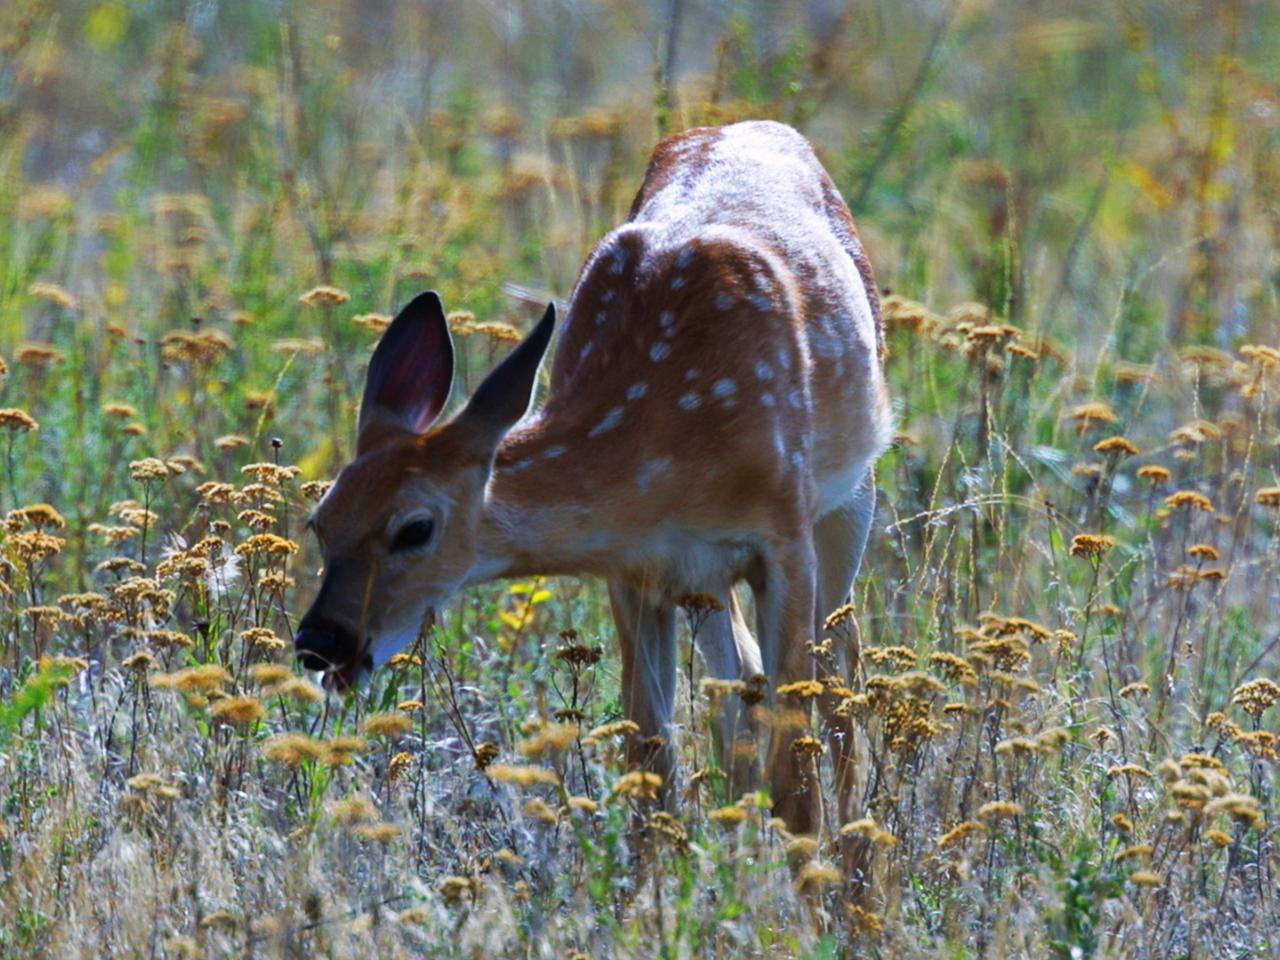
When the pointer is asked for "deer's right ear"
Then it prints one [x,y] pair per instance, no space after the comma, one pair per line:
[410,375]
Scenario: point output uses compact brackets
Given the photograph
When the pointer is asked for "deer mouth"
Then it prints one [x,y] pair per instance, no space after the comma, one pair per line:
[345,678]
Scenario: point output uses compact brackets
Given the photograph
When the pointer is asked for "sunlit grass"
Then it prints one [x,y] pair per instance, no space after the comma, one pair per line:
[1065,615]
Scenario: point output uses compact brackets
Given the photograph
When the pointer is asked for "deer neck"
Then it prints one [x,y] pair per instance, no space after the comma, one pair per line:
[535,518]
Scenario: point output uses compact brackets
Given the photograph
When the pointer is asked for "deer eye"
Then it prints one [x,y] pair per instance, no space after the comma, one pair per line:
[415,533]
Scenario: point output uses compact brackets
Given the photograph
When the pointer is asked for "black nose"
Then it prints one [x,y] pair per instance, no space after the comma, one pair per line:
[321,645]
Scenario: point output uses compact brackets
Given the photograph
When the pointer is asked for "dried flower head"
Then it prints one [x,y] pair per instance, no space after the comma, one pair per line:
[1091,545]
[1256,696]
[377,322]
[999,809]
[801,688]
[523,776]
[324,295]
[1189,499]
[1264,356]
[14,420]
[293,749]
[39,516]
[148,469]
[960,833]
[1268,497]
[1088,414]
[1158,475]
[1116,447]
[389,725]
[57,295]
[238,711]
[639,785]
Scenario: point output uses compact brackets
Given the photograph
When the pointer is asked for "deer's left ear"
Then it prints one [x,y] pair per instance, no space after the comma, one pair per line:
[507,393]
[410,375]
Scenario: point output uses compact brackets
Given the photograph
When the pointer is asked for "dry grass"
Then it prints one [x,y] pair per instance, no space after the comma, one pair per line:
[1066,611]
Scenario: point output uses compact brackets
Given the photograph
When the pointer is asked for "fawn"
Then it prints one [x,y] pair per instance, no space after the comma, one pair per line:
[716,405]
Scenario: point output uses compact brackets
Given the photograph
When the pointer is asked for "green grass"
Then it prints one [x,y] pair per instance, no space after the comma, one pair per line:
[1102,177]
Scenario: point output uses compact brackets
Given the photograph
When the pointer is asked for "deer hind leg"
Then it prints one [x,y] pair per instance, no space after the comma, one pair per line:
[784,590]
[730,652]
[840,538]
[647,636]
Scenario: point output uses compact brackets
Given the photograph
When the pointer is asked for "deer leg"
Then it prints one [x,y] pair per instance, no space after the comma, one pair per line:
[730,652]
[785,603]
[840,538]
[647,637]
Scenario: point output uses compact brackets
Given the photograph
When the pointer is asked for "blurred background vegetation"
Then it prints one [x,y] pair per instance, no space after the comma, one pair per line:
[209,210]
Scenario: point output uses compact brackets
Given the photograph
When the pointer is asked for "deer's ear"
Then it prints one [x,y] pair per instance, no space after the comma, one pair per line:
[410,375]
[506,393]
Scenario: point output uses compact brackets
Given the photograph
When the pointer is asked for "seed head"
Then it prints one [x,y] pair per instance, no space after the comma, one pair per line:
[13,419]
[238,711]
[1088,414]
[389,725]
[1158,475]
[999,809]
[523,776]
[960,833]
[1116,446]
[324,295]
[1256,696]
[55,294]
[1189,499]
[639,785]
[1091,545]
[293,749]
[1268,497]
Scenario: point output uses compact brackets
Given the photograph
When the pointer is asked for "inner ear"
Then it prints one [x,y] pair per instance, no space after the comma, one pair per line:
[411,373]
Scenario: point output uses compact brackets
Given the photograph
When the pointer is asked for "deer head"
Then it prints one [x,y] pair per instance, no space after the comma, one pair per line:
[397,530]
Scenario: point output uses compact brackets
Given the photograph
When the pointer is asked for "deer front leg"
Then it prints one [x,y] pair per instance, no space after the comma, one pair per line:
[785,603]
[647,638]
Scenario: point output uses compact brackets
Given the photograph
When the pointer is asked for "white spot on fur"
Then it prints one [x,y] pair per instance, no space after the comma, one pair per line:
[724,387]
[602,318]
[666,319]
[684,258]
[677,283]
[652,470]
[554,451]
[766,399]
[763,371]
[659,351]
[586,351]
[611,420]
[619,262]
[760,301]
[690,401]
[519,465]
[637,390]
[796,398]
[797,459]
[724,301]
[784,359]
[607,296]
[692,374]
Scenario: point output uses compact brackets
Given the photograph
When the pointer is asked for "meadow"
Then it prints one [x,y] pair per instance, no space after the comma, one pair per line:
[1067,610]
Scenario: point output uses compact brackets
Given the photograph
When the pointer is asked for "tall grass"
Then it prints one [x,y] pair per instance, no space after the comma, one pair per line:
[1066,612]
